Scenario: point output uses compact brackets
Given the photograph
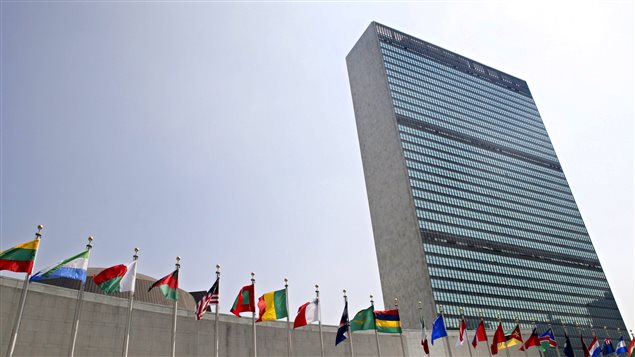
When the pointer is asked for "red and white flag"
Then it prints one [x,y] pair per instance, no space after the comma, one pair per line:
[480,335]
[424,339]
[462,333]
[210,298]
[307,313]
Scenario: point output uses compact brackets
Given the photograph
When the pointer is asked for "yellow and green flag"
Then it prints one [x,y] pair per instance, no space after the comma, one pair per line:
[363,320]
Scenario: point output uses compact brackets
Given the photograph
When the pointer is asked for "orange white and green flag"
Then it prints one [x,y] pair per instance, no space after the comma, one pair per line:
[20,258]
[273,305]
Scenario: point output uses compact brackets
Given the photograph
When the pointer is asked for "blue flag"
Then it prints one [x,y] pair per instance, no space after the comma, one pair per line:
[438,328]
[568,349]
[342,330]
[621,346]
[608,347]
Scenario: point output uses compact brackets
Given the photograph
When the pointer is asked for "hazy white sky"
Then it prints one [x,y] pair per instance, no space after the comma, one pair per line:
[225,133]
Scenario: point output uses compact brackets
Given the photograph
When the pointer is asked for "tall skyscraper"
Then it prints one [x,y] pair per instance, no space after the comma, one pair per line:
[469,205]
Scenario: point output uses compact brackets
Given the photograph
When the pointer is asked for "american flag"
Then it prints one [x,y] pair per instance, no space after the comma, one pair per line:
[211,297]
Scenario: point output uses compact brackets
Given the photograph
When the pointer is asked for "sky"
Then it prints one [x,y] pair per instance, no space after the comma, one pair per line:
[224,132]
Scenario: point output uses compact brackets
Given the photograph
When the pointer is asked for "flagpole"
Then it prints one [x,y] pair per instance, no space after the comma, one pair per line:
[566,332]
[447,342]
[524,349]
[422,324]
[253,314]
[577,327]
[319,306]
[131,298]
[216,314]
[25,289]
[539,350]
[504,335]
[78,306]
[558,347]
[403,346]
[469,348]
[489,350]
[176,302]
[348,325]
[286,296]
[372,303]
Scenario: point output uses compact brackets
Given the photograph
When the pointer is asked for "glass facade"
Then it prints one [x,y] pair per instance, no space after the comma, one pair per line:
[500,228]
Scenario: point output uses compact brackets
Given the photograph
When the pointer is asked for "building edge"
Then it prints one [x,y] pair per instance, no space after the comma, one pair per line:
[398,242]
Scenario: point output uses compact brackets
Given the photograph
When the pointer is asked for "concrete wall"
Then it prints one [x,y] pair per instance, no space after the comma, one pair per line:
[400,256]
[46,329]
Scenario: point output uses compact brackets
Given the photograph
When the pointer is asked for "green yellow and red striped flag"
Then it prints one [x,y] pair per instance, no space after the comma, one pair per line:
[273,306]
[19,258]
[388,321]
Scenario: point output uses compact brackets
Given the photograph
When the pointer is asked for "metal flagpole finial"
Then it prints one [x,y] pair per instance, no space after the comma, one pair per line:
[38,235]
[441,309]
[217,270]
[371,300]
[253,277]
[286,282]
[178,262]
[461,310]
[420,305]
[317,288]
[90,240]
[344,291]
[396,302]
[136,253]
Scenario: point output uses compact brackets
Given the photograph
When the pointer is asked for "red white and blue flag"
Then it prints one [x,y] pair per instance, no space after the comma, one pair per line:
[594,347]
[211,297]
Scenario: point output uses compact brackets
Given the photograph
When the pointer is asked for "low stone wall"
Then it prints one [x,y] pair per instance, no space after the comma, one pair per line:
[49,311]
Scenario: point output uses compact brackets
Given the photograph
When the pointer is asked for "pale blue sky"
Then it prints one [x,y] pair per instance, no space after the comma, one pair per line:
[225,133]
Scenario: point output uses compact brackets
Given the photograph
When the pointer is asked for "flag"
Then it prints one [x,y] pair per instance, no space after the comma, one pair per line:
[117,279]
[631,348]
[19,258]
[547,340]
[307,313]
[169,285]
[342,330]
[512,338]
[424,338]
[211,297]
[74,268]
[363,320]
[585,349]
[387,321]
[499,336]
[532,341]
[272,306]
[568,349]
[462,333]
[479,335]
[608,347]
[244,301]
[594,347]
[438,328]
[621,346]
